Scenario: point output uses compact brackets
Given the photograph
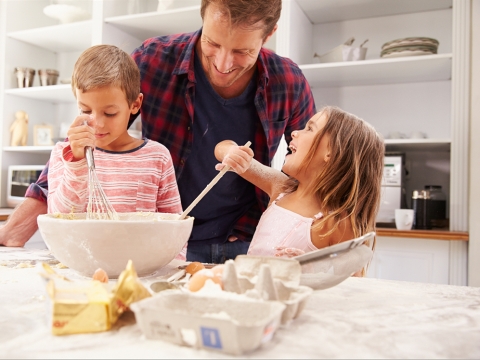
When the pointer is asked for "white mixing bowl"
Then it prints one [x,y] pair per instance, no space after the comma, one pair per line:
[150,240]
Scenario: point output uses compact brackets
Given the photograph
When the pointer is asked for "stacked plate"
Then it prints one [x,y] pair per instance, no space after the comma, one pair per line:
[410,46]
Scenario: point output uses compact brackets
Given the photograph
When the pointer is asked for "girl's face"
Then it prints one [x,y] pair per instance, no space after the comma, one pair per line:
[111,113]
[302,141]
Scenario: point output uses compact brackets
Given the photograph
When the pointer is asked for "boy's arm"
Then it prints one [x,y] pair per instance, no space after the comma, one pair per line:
[240,159]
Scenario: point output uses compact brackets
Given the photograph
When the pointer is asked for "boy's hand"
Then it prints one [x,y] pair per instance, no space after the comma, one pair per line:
[81,135]
[237,157]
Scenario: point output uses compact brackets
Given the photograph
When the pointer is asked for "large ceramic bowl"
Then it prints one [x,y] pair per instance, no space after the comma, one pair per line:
[150,240]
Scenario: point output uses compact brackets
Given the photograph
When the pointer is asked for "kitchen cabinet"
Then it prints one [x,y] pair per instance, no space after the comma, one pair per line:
[419,93]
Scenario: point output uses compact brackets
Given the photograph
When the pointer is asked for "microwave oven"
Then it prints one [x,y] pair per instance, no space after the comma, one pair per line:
[19,179]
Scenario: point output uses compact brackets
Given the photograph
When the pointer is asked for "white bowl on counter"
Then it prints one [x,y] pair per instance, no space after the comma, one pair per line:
[150,240]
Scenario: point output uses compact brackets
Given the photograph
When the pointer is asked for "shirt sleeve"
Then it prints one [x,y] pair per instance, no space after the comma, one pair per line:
[39,189]
[168,197]
[67,181]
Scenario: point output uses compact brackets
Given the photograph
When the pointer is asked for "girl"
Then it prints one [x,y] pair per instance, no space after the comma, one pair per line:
[328,190]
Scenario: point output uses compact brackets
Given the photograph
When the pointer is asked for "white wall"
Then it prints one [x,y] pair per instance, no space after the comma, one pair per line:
[474,202]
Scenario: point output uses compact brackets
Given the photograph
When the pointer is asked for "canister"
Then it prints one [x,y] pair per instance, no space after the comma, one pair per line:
[421,216]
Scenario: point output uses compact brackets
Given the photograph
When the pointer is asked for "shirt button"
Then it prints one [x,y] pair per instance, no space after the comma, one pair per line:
[188,128]
[182,162]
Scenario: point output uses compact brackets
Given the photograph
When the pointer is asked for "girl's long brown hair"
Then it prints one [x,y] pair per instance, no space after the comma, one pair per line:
[349,185]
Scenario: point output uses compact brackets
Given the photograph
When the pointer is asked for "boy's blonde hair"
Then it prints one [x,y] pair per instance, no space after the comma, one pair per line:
[350,183]
[106,65]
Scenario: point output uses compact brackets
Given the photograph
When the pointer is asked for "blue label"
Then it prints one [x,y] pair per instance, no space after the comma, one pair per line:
[211,338]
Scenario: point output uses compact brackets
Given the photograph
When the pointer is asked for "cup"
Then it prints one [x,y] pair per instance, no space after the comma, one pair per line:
[404,219]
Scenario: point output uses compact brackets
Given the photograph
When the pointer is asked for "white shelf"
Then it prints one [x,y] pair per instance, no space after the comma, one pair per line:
[324,11]
[417,144]
[75,36]
[379,71]
[30,149]
[52,93]
[151,24]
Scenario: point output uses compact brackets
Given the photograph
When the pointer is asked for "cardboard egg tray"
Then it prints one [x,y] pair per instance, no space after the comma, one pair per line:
[268,278]
[225,322]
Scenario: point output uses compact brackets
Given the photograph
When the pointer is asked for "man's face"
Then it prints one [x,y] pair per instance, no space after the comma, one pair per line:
[228,54]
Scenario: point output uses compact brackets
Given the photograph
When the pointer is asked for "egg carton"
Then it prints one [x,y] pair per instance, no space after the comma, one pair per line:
[224,321]
[270,279]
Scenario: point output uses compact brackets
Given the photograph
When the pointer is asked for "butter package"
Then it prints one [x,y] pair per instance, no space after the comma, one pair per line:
[88,306]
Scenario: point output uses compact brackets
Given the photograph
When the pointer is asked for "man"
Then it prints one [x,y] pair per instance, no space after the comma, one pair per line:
[199,89]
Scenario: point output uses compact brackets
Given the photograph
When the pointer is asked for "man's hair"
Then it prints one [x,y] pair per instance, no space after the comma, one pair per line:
[260,14]
[349,185]
[106,65]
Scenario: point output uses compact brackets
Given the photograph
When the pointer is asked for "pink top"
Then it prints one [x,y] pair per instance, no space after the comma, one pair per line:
[142,179]
[281,227]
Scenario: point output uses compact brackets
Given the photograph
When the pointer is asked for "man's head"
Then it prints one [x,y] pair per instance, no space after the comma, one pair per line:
[254,14]
[233,34]
[106,65]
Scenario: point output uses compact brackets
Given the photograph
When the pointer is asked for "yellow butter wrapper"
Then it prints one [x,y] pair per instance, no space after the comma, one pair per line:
[89,306]
[81,308]
[128,290]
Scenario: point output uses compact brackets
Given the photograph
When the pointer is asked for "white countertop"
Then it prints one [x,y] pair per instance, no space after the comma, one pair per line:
[359,318]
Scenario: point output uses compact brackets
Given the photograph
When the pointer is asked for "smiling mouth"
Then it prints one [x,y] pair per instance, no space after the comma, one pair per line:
[224,72]
[293,148]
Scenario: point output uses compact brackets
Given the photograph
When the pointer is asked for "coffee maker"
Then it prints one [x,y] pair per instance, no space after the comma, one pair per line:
[393,191]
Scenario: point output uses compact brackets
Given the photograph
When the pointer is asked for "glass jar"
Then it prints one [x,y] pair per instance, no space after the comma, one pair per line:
[436,206]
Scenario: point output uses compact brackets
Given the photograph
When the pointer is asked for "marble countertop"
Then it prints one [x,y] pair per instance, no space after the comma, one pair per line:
[359,318]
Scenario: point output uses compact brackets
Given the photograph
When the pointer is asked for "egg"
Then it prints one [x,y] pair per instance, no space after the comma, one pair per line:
[100,275]
[193,267]
[197,281]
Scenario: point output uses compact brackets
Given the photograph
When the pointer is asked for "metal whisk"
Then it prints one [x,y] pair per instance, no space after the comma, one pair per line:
[98,207]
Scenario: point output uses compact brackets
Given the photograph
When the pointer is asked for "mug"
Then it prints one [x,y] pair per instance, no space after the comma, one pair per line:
[404,219]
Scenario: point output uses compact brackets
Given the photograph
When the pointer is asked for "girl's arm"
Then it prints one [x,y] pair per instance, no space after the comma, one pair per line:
[240,159]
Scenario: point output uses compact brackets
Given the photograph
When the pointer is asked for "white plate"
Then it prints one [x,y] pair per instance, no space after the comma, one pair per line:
[406,53]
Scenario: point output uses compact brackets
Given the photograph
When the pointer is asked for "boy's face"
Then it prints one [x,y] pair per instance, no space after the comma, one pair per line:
[110,110]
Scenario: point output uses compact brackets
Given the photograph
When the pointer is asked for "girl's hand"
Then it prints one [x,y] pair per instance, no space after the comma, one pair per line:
[81,134]
[288,252]
[237,157]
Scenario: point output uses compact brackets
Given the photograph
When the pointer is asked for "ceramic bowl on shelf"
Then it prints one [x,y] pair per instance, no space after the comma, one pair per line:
[150,240]
[66,13]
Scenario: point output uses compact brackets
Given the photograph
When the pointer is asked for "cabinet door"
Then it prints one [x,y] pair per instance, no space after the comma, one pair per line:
[414,260]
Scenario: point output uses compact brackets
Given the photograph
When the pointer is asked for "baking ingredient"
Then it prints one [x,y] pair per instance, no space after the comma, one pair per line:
[193,267]
[197,281]
[100,275]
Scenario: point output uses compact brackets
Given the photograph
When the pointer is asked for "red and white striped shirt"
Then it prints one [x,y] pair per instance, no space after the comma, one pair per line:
[141,179]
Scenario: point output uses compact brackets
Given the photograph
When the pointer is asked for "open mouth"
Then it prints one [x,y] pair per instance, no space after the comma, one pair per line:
[293,148]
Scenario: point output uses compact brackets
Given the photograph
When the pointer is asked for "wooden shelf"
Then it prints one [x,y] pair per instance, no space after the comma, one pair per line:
[76,36]
[151,24]
[417,144]
[424,234]
[30,149]
[325,11]
[409,69]
[53,93]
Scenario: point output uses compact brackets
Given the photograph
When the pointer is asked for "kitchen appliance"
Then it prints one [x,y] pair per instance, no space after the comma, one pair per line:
[393,192]
[19,179]
[429,206]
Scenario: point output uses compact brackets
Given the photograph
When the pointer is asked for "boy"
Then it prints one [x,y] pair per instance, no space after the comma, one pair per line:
[136,174]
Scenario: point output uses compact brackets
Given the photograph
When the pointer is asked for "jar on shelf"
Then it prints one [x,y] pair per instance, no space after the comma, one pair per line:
[437,206]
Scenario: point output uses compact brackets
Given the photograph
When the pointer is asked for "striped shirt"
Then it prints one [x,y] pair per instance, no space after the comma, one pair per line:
[141,179]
